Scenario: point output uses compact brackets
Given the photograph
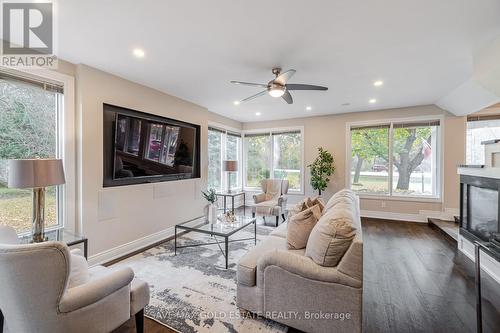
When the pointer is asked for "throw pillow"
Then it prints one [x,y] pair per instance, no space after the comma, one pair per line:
[315,201]
[332,235]
[297,208]
[300,226]
[79,270]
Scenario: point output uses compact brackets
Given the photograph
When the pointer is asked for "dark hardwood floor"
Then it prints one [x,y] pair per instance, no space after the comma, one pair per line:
[415,280]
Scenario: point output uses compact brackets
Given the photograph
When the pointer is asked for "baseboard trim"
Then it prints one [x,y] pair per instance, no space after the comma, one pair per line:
[393,216]
[131,247]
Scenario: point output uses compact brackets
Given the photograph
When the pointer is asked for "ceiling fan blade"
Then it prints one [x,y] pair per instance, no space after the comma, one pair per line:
[262,85]
[254,96]
[287,97]
[284,77]
[304,87]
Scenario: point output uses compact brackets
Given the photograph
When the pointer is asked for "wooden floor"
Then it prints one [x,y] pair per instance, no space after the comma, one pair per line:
[414,281]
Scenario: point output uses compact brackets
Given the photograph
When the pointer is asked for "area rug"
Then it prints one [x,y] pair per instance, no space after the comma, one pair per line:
[192,291]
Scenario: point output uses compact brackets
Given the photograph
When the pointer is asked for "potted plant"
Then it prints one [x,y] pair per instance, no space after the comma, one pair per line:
[211,209]
[321,169]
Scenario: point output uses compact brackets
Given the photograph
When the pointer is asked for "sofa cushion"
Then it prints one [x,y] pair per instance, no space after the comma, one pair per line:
[267,208]
[300,226]
[247,265]
[332,235]
[79,270]
[280,231]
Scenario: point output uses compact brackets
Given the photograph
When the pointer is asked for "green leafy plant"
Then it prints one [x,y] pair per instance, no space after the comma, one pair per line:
[321,169]
[210,195]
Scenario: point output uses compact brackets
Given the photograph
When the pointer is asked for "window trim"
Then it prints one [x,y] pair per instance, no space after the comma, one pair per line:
[70,220]
[226,130]
[474,119]
[439,198]
[270,131]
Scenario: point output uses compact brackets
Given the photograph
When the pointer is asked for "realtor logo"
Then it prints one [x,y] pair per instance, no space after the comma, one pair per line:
[27,31]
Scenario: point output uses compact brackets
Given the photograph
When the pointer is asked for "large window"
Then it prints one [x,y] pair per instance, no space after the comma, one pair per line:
[223,145]
[396,159]
[479,129]
[30,113]
[274,154]
[258,157]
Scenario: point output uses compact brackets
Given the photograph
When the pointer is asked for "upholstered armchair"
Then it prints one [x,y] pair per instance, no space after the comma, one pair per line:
[272,200]
[36,297]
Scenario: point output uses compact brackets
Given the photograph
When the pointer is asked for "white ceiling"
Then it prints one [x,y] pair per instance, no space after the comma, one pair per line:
[422,49]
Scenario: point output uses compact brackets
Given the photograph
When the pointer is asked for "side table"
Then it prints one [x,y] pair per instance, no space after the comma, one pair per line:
[226,194]
[61,235]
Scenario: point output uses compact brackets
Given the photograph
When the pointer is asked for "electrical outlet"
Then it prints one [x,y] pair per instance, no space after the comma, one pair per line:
[383,204]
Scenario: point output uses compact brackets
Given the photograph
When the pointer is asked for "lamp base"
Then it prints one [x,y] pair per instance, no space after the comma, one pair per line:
[38,221]
[39,239]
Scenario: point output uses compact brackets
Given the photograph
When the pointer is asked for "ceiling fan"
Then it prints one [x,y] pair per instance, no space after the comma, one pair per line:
[278,87]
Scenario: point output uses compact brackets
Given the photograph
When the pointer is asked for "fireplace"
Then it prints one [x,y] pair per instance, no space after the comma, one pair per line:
[480,208]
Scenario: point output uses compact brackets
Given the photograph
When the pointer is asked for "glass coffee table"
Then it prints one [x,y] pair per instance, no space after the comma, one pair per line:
[221,229]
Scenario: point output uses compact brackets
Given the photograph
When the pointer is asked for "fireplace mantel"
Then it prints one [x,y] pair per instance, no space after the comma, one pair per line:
[480,172]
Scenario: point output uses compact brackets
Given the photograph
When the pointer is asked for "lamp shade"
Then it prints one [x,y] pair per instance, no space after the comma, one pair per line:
[33,173]
[230,166]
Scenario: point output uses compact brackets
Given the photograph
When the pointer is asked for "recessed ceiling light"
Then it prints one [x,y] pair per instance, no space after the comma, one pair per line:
[308,108]
[139,53]
[257,113]
[372,101]
[378,83]
[236,102]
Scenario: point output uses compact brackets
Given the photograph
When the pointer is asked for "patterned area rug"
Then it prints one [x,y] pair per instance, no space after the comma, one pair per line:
[193,292]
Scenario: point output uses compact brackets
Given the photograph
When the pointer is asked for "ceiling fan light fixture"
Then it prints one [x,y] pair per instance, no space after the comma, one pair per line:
[277,91]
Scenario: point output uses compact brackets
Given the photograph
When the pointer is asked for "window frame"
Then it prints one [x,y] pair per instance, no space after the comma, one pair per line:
[225,130]
[270,131]
[473,119]
[66,147]
[438,198]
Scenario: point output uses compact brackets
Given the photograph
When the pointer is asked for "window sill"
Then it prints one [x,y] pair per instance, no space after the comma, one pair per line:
[400,198]
[258,189]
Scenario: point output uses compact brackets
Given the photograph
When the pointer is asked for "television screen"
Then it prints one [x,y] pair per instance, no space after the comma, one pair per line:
[147,147]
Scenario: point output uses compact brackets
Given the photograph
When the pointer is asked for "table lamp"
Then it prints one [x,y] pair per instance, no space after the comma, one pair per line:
[36,174]
[230,166]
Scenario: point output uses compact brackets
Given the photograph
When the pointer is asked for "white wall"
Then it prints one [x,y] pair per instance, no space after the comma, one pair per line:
[329,132]
[121,219]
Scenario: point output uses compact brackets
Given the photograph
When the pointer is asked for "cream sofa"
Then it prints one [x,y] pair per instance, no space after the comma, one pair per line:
[290,288]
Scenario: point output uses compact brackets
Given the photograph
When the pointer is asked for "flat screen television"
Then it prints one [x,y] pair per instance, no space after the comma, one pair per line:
[144,148]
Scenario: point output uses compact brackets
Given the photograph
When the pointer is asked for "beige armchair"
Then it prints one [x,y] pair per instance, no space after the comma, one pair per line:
[36,297]
[272,200]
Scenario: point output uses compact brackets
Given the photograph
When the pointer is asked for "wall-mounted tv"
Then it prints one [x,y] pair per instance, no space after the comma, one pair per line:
[144,148]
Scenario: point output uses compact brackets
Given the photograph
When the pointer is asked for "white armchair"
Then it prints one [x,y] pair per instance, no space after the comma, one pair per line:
[36,297]
[272,201]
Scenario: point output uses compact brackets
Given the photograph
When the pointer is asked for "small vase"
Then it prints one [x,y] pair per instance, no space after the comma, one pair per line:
[211,212]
